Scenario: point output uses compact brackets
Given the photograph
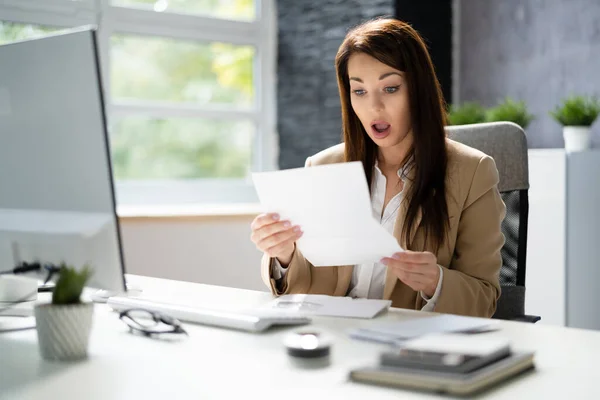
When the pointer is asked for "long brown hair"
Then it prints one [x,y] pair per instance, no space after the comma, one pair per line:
[397,44]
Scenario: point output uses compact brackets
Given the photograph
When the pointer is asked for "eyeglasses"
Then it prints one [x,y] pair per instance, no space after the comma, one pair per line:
[151,323]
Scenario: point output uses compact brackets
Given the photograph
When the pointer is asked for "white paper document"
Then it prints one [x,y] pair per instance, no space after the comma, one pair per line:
[332,205]
[391,332]
[330,306]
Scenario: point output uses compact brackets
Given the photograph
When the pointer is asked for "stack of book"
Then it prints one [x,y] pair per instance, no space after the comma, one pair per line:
[456,364]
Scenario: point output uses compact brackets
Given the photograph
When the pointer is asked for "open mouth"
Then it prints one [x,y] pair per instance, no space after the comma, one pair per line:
[380,129]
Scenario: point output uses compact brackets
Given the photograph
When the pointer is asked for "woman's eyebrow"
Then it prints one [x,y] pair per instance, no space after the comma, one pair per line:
[357,79]
[389,74]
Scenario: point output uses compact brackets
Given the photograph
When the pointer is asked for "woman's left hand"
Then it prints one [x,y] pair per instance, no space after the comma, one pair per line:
[419,270]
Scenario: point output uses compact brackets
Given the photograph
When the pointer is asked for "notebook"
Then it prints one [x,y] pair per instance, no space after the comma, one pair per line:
[447,352]
[453,383]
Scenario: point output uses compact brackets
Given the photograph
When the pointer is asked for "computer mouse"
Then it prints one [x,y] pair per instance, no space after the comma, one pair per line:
[308,344]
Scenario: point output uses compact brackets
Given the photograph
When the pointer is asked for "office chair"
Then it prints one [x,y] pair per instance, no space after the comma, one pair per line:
[506,143]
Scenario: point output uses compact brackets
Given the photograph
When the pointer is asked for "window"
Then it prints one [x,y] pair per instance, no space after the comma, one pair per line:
[146,148]
[232,9]
[167,70]
[10,31]
[165,73]
[189,86]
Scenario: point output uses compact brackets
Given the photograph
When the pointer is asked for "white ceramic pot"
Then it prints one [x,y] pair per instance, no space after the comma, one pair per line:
[577,138]
[64,330]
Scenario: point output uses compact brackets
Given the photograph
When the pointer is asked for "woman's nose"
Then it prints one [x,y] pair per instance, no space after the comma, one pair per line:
[377,103]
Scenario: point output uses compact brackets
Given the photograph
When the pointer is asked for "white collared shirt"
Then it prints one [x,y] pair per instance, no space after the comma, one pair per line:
[368,280]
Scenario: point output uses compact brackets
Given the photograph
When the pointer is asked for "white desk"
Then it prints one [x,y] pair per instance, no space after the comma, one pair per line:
[215,363]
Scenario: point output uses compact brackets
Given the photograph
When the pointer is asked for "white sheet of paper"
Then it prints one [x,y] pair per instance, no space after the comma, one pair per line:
[390,332]
[332,205]
[330,306]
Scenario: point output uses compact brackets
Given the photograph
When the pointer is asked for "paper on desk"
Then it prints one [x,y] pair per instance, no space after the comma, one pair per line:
[391,332]
[331,203]
[330,306]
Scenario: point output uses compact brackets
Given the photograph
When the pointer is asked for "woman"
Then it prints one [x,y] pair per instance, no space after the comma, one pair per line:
[439,198]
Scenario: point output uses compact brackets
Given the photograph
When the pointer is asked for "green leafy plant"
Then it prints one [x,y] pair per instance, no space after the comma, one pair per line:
[577,111]
[70,284]
[467,113]
[510,110]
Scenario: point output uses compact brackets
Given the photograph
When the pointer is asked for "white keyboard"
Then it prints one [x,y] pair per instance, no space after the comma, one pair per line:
[225,319]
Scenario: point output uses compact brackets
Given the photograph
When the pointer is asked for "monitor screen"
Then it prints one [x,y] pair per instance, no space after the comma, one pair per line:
[57,200]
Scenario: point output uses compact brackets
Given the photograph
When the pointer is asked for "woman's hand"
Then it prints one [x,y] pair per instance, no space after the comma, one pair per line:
[419,270]
[274,237]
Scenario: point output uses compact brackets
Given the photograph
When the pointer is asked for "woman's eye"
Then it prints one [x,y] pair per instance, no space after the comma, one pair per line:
[359,92]
[391,89]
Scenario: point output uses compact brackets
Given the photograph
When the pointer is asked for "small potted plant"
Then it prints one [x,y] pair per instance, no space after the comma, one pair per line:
[63,326]
[577,114]
[512,111]
[467,113]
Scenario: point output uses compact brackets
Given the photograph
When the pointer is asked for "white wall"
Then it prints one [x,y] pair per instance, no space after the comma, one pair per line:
[211,250]
[545,279]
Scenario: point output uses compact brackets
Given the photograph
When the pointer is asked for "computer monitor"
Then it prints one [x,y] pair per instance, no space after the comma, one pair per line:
[57,200]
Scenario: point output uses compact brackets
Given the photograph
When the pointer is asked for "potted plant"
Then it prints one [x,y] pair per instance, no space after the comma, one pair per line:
[467,113]
[512,111]
[63,326]
[576,114]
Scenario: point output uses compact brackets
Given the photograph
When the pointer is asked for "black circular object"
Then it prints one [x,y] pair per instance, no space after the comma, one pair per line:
[316,353]
[307,344]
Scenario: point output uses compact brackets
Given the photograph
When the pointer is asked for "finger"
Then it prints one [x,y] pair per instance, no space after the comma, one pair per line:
[417,278]
[277,249]
[414,257]
[413,276]
[280,237]
[264,219]
[272,229]
[405,266]
[427,270]
[406,277]
[415,281]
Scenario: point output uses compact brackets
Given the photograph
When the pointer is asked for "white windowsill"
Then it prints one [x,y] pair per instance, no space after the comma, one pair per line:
[189,210]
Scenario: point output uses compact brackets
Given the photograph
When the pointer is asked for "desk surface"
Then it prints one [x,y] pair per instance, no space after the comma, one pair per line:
[217,363]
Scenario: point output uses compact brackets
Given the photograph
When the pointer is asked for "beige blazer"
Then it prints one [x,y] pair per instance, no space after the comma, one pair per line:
[470,257]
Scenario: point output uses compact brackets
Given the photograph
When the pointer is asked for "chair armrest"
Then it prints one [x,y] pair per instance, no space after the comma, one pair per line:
[527,318]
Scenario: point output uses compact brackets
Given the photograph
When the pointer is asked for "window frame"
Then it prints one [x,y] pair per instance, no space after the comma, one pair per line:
[109,19]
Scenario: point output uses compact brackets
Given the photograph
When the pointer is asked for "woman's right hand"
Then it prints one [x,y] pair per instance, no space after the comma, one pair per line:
[274,237]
